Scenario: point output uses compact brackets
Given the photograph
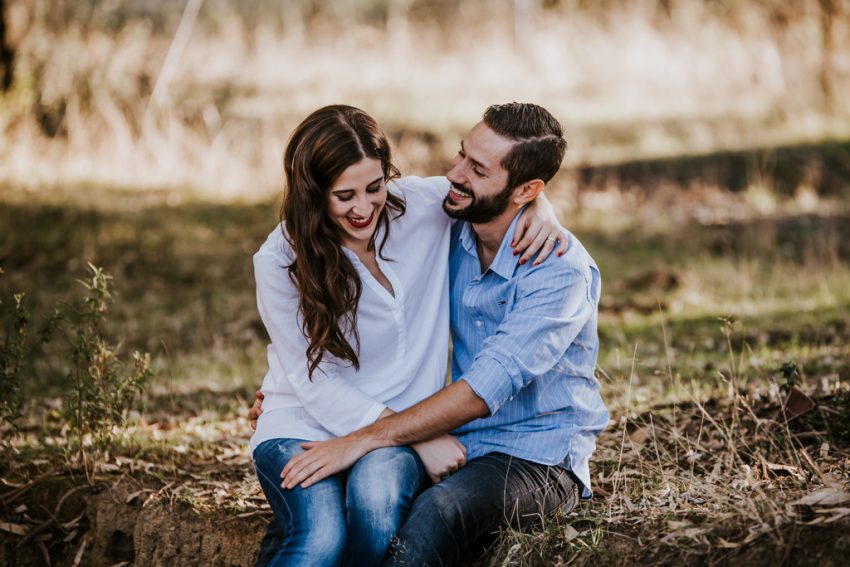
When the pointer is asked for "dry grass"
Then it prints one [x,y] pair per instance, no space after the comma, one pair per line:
[696,324]
[112,95]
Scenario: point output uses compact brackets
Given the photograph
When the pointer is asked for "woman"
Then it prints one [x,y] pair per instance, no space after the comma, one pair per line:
[353,290]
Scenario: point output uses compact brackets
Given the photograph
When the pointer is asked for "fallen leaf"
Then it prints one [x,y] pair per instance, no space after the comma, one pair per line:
[639,436]
[796,404]
[824,497]
[689,533]
[778,470]
[570,533]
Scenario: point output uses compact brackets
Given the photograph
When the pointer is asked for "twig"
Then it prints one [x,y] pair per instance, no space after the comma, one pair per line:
[13,495]
[625,425]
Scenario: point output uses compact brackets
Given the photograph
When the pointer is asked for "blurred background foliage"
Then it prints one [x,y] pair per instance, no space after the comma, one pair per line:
[201,94]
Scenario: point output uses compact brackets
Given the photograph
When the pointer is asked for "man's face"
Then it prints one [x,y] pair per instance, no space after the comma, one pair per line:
[479,190]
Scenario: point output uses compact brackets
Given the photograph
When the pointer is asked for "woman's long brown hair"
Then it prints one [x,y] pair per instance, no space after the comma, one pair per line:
[326,143]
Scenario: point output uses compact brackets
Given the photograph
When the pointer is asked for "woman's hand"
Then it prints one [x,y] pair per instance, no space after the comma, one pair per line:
[441,456]
[322,459]
[538,231]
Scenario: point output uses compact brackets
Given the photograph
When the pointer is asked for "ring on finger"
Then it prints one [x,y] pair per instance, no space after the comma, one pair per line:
[552,239]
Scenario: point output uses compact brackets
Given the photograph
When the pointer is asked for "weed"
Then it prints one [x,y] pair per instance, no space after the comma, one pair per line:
[17,350]
[102,391]
[103,388]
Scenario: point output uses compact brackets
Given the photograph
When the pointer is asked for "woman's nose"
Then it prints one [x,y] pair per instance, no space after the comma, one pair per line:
[361,205]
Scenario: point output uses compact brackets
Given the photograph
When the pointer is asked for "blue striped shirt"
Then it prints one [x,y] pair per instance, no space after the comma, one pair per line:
[525,340]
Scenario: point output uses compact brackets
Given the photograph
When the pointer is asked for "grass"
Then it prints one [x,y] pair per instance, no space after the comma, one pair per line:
[696,324]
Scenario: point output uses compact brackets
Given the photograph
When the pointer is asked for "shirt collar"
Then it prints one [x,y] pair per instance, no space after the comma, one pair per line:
[505,262]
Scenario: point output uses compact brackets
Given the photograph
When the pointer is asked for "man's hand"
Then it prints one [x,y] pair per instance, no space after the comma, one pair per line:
[441,456]
[323,459]
[256,410]
[538,231]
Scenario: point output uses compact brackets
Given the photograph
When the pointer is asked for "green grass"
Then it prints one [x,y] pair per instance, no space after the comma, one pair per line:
[695,324]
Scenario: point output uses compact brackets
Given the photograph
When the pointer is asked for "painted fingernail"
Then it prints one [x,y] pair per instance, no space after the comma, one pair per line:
[516,252]
[513,243]
[521,262]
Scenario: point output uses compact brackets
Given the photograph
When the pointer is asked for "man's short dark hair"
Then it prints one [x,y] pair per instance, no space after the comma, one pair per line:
[540,143]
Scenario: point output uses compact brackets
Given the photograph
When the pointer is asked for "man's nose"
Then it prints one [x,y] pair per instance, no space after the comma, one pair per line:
[455,174]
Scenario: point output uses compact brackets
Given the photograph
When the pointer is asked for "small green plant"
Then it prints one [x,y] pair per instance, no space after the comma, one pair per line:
[103,389]
[17,350]
[13,356]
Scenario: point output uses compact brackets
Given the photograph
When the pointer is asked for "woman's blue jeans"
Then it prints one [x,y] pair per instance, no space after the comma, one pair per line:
[347,519]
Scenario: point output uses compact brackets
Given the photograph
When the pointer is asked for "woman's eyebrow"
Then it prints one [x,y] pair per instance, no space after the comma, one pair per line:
[375,182]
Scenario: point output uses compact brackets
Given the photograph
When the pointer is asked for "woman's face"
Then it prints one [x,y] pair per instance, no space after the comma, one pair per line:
[356,199]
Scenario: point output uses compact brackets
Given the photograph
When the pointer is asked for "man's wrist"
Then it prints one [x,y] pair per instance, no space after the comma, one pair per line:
[367,439]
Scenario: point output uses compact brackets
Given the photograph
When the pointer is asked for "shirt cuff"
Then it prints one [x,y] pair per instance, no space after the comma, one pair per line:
[371,415]
[490,381]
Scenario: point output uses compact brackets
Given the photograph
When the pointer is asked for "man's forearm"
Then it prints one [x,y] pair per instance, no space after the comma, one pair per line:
[441,413]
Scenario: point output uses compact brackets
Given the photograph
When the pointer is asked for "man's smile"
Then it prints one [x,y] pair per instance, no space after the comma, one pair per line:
[458,194]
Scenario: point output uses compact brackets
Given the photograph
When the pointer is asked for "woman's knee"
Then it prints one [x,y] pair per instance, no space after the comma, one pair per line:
[384,479]
[271,456]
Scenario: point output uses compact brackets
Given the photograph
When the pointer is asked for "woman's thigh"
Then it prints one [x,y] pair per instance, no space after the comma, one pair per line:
[313,519]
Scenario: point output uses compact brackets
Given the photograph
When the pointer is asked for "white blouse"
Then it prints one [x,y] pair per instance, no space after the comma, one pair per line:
[403,339]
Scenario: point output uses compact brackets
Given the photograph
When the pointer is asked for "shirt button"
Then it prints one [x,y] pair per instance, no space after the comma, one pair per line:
[478,323]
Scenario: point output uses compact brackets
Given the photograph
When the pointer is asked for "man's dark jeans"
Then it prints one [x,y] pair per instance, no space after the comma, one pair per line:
[489,493]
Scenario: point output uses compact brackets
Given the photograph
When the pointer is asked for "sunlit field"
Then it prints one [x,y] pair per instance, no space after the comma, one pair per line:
[708,174]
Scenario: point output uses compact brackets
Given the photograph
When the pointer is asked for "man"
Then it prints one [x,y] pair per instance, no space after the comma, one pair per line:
[524,401]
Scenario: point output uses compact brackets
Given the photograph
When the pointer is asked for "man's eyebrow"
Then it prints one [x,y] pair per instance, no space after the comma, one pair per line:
[474,161]
[374,182]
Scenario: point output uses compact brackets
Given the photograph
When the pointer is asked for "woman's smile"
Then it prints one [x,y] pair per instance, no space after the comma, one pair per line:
[360,222]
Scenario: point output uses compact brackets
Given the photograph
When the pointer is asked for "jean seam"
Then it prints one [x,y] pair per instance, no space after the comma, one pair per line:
[288,527]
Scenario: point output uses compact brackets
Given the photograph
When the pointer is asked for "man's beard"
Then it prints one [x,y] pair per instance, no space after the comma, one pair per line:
[481,209]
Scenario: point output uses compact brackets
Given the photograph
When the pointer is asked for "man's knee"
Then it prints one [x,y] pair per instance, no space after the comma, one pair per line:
[438,504]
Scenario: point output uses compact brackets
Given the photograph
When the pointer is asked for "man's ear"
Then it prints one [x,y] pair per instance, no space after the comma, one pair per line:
[528,191]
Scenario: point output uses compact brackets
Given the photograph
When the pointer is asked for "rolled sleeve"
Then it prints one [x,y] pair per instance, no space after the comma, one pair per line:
[550,311]
[480,378]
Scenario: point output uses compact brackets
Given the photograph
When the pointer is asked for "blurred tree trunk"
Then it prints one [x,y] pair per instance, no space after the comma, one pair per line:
[525,13]
[7,54]
[398,19]
[828,12]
